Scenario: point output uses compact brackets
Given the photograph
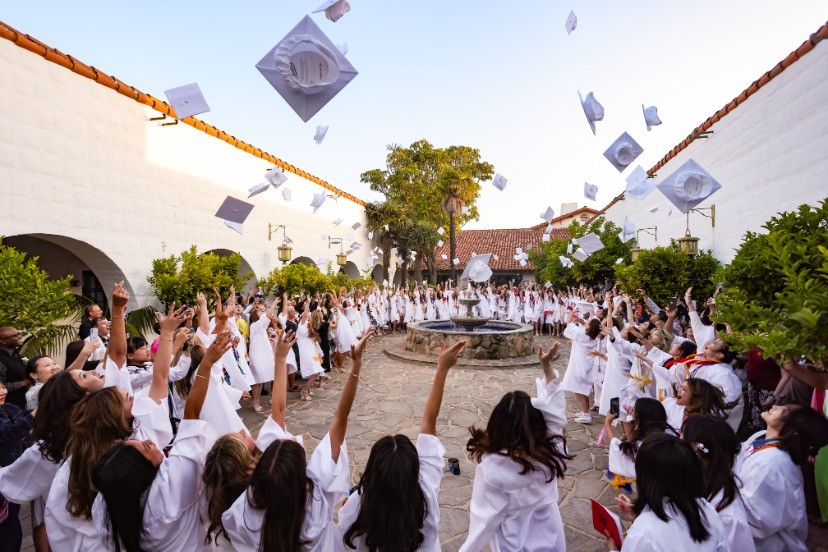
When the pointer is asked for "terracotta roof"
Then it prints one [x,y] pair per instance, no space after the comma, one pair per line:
[500,242]
[775,71]
[64,60]
[570,214]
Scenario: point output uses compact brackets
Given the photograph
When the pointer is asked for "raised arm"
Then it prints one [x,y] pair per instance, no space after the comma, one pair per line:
[278,396]
[203,314]
[447,359]
[163,357]
[198,392]
[88,348]
[339,425]
[221,314]
[117,334]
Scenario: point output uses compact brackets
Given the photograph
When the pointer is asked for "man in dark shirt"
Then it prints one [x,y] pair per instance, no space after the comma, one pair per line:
[92,312]
[12,367]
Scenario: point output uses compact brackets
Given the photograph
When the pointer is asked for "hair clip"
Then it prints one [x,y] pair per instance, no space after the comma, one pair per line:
[702,448]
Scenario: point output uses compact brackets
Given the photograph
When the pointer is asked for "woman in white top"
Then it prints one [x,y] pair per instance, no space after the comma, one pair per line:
[649,417]
[39,370]
[694,396]
[261,354]
[289,504]
[578,377]
[394,506]
[521,454]
[717,446]
[97,421]
[670,512]
[147,502]
[769,467]
[310,357]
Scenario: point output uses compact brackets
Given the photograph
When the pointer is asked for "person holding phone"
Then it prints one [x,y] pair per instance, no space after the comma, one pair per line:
[649,417]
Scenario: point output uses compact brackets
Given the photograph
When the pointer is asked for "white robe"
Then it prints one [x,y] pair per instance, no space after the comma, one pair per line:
[723,377]
[736,526]
[512,512]
[261,352]
[774,498]
[578,376]
[310,357]
[619,363]
[650,534]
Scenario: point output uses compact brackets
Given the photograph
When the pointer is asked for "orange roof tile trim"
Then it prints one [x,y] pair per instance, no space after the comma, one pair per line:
[804,48]
[64,60]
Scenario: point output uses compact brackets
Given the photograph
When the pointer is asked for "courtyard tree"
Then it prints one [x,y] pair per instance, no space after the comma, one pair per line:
[775,291]
[43,309]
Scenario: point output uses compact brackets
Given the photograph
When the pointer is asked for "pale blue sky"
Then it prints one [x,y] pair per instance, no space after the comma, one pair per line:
[499,76]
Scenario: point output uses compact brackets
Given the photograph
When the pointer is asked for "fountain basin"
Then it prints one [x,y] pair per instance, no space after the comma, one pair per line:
[493,340]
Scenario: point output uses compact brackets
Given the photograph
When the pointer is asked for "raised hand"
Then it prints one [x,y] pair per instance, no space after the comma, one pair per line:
[172,320]
[120,297]
[546,359]
[180,338]
[359,348]
[200,299]
[283,344]
[220,345]
[448,357]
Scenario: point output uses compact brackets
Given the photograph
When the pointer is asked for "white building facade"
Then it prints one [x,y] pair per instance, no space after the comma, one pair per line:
[97,190]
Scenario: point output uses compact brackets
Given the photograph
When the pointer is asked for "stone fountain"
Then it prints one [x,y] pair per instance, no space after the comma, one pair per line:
[469,321]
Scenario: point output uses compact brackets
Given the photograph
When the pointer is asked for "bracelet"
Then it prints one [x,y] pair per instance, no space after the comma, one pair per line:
[165,339]
[202,377]
[354,375]
[116,315]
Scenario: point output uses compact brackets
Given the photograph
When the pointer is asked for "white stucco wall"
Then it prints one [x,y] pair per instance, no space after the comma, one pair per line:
[770,155]
[80,165]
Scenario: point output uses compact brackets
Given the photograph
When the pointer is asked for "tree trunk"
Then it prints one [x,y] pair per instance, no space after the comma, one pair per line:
[386,257]
[404,275]
[432,266]
[418,271]
[452,248]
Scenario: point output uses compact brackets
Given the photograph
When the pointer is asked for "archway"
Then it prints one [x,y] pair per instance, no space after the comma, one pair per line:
[94,274]
[244,267]
[303,260]
[350,269]
[376,274]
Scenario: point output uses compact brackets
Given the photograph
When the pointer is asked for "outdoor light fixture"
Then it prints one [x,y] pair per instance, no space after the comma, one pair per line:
[284,250]
[341,257]
[690,244]
[635,251]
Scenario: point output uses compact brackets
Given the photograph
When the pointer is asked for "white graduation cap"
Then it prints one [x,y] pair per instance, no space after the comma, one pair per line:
[394,251]
[286,195]
[619,260]
[466,210]
[321,261]
[370,234]
[518,250]
[306,69]
[546,237]
[548,215]
[654,208]
[522,262]
[321,131]
[257,189]
[187,100]
[549,228]
[627,230]
[499,182]
[338,221]
[565,261]
[444,256]
[590,243]
[580,254]
[495,257]
[355,246]
[287,239]
[571,22]
[334,9]
[317,201]
[651,118]
[276,177]
[324,237]
[623,151]
[441,231]
[440,243]
[639,185]
[584,307]
[569,248]
[593,110]
[343,48]
[477,269]
[234,210]
[356,225]
[590,191]
[349,236]
[455,261]
[235,226]
[386,227]
[688,186]
[547,285]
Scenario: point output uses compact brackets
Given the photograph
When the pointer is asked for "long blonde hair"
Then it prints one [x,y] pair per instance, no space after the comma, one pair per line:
[316,321]
[96,422]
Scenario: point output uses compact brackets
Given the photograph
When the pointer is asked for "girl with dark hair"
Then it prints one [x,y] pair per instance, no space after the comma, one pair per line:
[717,447]
[649,417]
[695,396]
[670,512]
[289,504]
[310,358]
[394,507]
[39,370]
[769,468]
[147,502]
[100,419]
[521,455]
[261,353]
[579,377]
[15,423]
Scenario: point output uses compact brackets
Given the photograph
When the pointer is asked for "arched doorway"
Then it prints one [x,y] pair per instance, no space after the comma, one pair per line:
[350,269]
[94,274]
[376,274]
[244,267]
[303,260]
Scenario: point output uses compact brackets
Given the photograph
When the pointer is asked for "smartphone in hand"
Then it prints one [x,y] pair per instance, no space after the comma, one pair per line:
[614,406]
[93,334]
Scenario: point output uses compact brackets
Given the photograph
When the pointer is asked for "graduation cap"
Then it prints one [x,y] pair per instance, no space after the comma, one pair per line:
[547,285]
[334,9]
[321,131]
[356,246]
[651,118]
[321,261]
[187,100]
[580,254]
[619,260]
[234,211]
[338,221]
[444,256]
[306,69]
[440,243]
[440,231]
[688,186]
[627,230]
[639,185]
[499,182]
[565,261]
[257,189]
[477,269]
[233,225]
[590,191]
[356,225]
[569,248]
[286,195]
[548,215]
[276,177]
[546,237]
[370,234]
[593,110]
[317,201]
[349,236]
[571,22]
[456,261]
[623,151]
[590,243]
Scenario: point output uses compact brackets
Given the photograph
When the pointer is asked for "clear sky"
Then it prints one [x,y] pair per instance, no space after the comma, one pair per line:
[500,76]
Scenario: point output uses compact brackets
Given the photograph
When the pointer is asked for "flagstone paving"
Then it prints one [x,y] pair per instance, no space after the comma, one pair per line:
[390,400]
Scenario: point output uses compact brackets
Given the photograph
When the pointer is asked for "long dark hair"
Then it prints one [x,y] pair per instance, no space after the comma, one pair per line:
[667,469]
[280,488]
[518,428]
[58,397]
[717,446]
[393,508]
[708,399]
[649,417]
[593,328]
[227,471]
[122,476]
[804,431]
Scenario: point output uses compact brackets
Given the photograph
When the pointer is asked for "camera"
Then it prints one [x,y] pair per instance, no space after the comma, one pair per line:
[454,466]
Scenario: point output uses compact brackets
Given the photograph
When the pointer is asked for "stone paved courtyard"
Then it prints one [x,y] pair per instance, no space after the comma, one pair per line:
[390,400]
